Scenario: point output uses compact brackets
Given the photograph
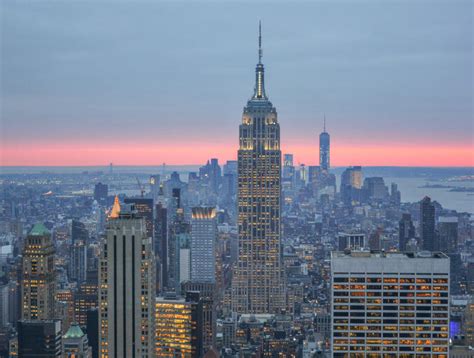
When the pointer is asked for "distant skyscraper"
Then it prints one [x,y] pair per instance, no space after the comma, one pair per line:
[78,261]
[324,144]
[427,225]
[389,304]
[203,244]
[448,234]
[406,232]
[101,191]
[161,245]
[38,276]
[258,280]
[126,287]
[351,184]
[78,231]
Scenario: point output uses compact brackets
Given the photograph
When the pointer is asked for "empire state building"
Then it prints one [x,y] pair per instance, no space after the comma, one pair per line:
[257,285]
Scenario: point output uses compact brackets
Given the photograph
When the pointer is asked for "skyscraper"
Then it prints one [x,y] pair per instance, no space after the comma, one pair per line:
[203,244]
[324,142]
[38,276]
[127,287]
[427,225]
[258,279]
[406,231]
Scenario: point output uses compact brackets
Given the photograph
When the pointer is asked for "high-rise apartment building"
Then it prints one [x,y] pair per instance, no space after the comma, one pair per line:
[203,244]
[258,279]
[126,287]
[390,304]
[324,144]
[38,275]
[428,235]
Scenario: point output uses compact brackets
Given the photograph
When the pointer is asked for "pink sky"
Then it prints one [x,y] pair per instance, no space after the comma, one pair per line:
[129,153]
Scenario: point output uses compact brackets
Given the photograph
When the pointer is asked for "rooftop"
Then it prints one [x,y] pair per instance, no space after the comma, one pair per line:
[39,230]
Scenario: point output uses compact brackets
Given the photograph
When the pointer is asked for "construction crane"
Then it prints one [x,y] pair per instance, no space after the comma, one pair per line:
[141,187]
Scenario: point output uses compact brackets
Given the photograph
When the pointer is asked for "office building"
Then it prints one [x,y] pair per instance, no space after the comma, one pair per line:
[39,338]
[428,235]
[101,191]
[126,286]
[375,189]
[144,208]
[75,343]
[207,297]
[390,304]
[178,327]
[406,231]
[351,184]
[448,234]
[38,282]
[351,241]
[203,244]
[161,246]
[324,144]
[257,285]
[78,261]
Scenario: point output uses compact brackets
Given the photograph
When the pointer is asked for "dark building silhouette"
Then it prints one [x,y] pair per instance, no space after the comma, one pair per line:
[78,231]
[161,246]
[39,338]
[92,330]
[101,191]
[448,234]
[427,225]
[406,231]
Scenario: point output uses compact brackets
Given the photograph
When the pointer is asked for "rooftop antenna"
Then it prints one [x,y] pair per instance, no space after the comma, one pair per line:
[324,122]
[260,52]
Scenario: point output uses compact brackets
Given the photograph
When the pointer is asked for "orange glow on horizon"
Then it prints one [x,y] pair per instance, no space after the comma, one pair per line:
[100,154]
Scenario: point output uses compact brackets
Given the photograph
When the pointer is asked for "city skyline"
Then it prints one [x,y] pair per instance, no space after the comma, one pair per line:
[133,95]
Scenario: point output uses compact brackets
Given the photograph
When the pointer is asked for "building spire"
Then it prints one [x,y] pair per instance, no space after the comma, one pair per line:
[260,52]
[259,92]
[324,130]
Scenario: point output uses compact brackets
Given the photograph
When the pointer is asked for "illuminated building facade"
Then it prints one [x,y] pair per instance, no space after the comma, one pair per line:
[390,304]
[203,244]
[258,279]
[38,281]
[126,287]
[178,327]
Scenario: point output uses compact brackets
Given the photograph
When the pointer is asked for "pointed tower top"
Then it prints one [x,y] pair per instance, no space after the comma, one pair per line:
[260,52]
[324,122]
[114,214]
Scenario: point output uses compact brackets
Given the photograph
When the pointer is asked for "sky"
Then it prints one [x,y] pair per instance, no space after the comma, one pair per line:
[142,82]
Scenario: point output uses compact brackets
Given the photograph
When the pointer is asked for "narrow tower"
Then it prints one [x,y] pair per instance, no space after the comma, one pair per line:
[258,281]
[324,141]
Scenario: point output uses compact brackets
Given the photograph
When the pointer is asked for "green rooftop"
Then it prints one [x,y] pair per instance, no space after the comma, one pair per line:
[39,230]
[74,332]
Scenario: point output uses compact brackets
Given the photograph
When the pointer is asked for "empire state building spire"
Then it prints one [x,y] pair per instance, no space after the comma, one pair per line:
[259,92]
